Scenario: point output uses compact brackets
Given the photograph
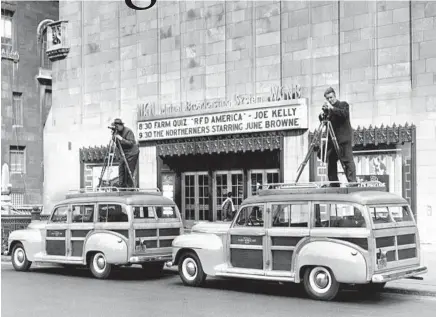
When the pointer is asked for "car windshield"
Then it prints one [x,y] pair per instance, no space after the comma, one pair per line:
[389,214]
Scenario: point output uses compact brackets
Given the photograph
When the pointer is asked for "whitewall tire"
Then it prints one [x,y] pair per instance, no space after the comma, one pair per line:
[320,283]
[19,258]
[190,270]
[99,266]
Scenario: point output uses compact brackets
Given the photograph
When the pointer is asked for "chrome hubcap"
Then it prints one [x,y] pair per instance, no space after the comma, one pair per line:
[321,280]
[20,256]
[191,269]
[101,263]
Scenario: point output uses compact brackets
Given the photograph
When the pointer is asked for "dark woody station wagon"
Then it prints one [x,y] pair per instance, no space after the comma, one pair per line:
[101,229]
[324,238]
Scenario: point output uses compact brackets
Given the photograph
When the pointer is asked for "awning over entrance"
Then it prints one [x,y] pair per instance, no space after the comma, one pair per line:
[267,141]
[94,154]
[388,135]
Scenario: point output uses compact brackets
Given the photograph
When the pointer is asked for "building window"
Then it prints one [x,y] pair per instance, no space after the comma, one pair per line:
[6,30]
[18,159]
[17,110]
[45,61]
[17,199]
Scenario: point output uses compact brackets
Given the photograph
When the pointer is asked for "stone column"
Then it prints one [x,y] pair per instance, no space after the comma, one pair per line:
[295,147]
[147,167]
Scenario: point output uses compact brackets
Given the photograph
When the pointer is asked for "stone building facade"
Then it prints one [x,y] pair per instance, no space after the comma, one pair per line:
[180,58]
[26,95]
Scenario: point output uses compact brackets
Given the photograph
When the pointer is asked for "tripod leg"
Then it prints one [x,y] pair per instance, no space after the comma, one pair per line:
[309,153]
[105,163]
[336,145]
[126,162]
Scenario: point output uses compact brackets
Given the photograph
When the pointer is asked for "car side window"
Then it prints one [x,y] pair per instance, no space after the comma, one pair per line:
[338,216]
[83,213]
[144,212]
[250,216]
[111,213]
[60,214]
[287,215]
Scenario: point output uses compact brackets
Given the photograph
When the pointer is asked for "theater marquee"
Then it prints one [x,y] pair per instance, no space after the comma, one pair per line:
[260,119]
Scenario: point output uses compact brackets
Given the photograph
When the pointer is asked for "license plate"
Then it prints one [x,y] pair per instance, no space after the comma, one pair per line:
[382,263]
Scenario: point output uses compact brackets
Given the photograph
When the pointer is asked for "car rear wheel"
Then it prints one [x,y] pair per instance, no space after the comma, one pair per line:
[99,266]
[19,258]
[153,269]
[190,270]
[320,283]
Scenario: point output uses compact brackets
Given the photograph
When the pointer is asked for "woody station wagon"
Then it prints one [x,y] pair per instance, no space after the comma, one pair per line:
[324,238]
[101,229]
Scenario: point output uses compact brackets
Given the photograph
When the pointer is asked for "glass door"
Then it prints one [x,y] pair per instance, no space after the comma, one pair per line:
[225,182]
[195,197]
[257,178]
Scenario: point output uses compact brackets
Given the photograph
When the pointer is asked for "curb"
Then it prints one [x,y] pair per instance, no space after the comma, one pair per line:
[391,290]
[404,291]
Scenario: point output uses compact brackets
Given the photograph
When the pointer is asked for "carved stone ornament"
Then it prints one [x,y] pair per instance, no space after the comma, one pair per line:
[58,45]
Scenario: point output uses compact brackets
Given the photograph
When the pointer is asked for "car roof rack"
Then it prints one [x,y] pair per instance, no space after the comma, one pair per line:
[319,188]
[111,191]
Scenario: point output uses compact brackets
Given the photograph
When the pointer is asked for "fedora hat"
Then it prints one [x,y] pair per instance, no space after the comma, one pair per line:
[118,121]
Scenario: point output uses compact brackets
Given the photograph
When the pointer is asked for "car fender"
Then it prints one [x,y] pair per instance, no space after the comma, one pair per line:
[112,244]
[347,263]
[31,240]
[208,247]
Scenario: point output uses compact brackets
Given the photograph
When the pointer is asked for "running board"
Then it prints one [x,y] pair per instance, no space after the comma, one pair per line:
[257,277]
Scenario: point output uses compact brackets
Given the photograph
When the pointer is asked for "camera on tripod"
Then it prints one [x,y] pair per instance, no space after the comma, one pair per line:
[325,112]
[112,128]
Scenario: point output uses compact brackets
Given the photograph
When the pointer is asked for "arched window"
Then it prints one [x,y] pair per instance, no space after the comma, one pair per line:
[44,60]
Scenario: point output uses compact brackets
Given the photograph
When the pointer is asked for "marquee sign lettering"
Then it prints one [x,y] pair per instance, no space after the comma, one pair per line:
[130,4]
[272,118]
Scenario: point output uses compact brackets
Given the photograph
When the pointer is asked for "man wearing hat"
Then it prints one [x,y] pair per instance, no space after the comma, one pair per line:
[131,151]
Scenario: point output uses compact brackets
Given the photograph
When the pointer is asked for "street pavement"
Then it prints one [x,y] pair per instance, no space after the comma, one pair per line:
[52,291]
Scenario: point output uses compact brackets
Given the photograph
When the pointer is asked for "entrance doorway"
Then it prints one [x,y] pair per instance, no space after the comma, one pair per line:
[259,177]
[195,197]
[224,182]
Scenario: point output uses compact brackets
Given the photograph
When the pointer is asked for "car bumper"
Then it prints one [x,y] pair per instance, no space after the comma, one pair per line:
[148,258]
[399,274]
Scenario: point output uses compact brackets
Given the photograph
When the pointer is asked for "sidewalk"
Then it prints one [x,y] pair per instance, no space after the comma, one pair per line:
[427,286]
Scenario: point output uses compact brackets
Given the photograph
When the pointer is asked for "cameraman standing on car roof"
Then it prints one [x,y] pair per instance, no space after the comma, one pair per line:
[127,141]
[339,115]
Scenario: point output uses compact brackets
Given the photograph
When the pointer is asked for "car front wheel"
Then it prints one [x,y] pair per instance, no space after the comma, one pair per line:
[19,258]
[99,266]
[320,283]
[190,270]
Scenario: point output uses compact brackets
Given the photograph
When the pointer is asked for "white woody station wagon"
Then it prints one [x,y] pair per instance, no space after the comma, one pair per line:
[101,229]
[324,238]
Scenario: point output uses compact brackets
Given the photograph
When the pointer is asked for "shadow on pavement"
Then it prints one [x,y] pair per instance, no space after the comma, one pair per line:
[290,290]
[117,274]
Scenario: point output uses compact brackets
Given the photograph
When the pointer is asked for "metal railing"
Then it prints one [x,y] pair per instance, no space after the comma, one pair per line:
[320,184]
[11,223]
[112,189]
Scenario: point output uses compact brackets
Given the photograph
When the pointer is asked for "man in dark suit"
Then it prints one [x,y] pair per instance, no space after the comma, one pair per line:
[127,141]
[339,115]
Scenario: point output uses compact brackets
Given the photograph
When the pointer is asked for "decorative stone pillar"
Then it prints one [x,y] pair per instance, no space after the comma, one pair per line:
[58,45]
[36,214]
